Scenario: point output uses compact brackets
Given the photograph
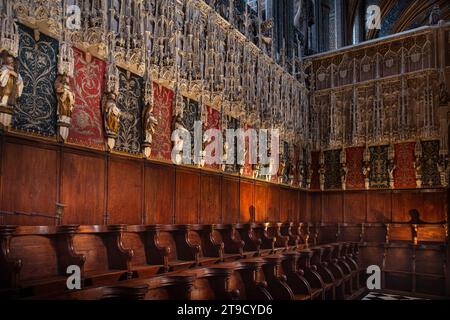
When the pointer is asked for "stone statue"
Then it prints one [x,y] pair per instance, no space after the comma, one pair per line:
[322,172]
[256,168]
[344,173]
[65,96]
[66,102]
[11,87]
[149,124]
[366,172]
[391,171]
[418,168]
[281,171]
[443,94]
[303,20]
[443,172]
[435,15]
[112,115]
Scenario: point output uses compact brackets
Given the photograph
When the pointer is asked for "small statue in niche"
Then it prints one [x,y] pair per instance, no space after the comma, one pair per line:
[66,103]
[322,172]
[391,171]
[112,115]
[443,94]
[149,124]
[435,15]
[178,143]
[281,171]
[256,168]
[11,88]
[292,173]
[344,174]
[366,172]
[443,170]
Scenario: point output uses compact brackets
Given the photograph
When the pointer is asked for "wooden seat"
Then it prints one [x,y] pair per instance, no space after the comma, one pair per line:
[252,244]
[182,253]
[149,258]
[107,260]
[233,246]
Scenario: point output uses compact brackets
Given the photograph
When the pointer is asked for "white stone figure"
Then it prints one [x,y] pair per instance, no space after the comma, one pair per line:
[149,124]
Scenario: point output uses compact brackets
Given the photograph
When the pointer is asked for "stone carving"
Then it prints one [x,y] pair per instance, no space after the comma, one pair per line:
[66,102]
[11,87]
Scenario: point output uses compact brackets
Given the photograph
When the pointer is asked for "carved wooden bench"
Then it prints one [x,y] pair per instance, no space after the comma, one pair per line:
[182,253]
[34,260]
[211,249]
[106,259]
[281,241]
[252,244]
[300,286]
[233,246]
[276,282]
[150,257]
[249,273]
[261,231]
[319,288]
[293,233]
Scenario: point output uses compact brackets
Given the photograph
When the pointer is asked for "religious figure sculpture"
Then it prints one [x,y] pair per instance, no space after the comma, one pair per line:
[11,87]
[367,168]
[149,124]
[391,171]
[178,124]
[443,169]
[303,20]
[256,168]
[280,173]
[418,163]
[322,172]
[435,15]
[66,103]
[112,115]
[443,94]
[344,173]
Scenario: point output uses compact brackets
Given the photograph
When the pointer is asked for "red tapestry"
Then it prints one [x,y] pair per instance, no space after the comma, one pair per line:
[88,85]
[355,176]
[315,181]
[248,171]
[212,122]
[404,174]
[162,139]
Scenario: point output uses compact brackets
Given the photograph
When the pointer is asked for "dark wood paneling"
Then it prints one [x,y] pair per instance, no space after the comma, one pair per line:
[187,196]
[305,207]
[210,206]
[273,204]
[125,191]
[403,202]
[230,200]
[29,181]
[355,206]
[159,193]
[434,206]
[286,205]
[379,206]
[316,207]
[332,211]
[246,206]
[261,195]
[83,188]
